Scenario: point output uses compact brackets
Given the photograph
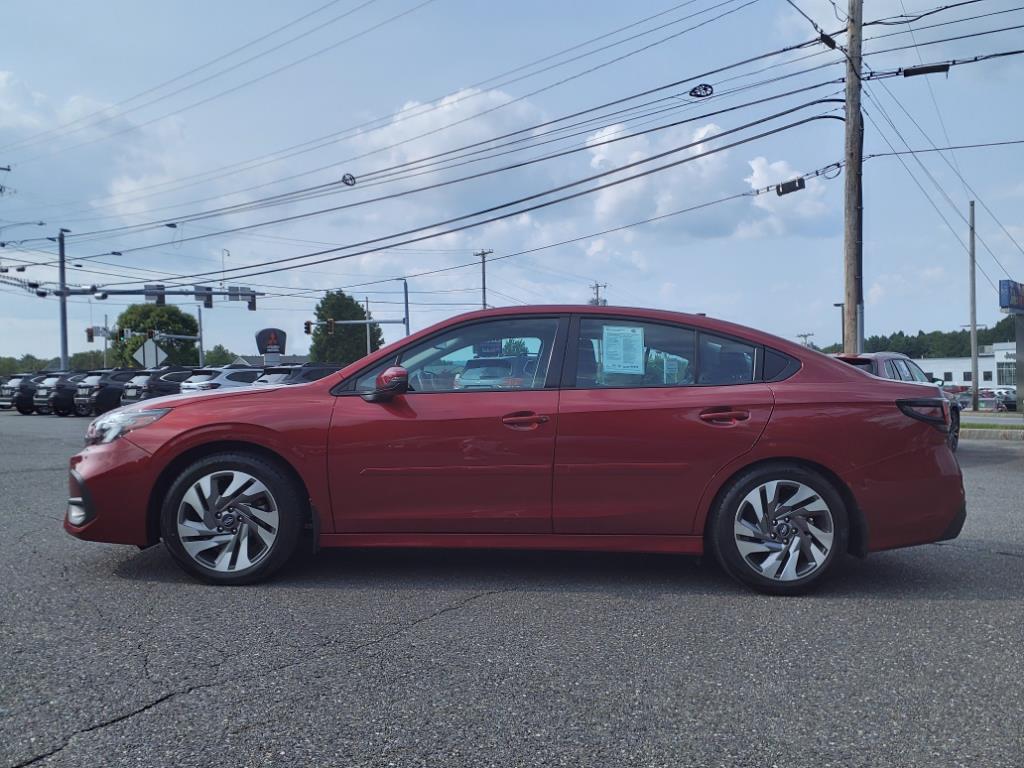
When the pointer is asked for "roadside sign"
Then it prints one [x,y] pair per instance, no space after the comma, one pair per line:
[1011,297]
[149,355]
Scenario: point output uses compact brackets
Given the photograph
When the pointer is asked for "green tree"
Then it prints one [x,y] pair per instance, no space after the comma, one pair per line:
[151,317]
[514,347]
[348,342]
[220,355]
[86,361]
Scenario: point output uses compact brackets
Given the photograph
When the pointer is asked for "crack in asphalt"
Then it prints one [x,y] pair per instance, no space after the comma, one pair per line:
[66,741]
[985,550]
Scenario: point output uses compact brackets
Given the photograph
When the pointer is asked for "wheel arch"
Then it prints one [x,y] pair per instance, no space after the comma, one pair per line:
[858,533]
[195,453]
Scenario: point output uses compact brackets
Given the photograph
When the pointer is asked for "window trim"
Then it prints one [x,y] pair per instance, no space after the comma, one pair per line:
[568,378]
[347,387]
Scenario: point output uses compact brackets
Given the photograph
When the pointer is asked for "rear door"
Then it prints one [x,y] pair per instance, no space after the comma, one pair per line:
[648,413]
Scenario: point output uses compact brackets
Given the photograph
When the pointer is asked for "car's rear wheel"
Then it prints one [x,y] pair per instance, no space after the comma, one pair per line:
[954,429]
[779,528]
[232,518]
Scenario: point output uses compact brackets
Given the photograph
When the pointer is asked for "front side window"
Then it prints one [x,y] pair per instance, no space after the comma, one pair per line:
[625,353]
[917,373]
[903,370]
[244,377]
[200,376]
[511,354]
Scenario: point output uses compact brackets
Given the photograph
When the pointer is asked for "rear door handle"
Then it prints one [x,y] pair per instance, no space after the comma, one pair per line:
[524,420]
[714,416]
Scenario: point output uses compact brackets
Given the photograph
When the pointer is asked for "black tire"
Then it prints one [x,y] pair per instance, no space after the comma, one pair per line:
[721,539]
[954,429]
[25,410]
[83,410]
[292,509]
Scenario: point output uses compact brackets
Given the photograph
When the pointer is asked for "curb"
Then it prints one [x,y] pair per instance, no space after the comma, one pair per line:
[992,434]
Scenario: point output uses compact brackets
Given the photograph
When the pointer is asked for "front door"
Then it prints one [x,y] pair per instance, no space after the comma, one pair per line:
[470,447]
[646,421]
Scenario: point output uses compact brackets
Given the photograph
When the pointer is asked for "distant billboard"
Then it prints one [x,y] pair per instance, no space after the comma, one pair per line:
[1011,297]
[271,341]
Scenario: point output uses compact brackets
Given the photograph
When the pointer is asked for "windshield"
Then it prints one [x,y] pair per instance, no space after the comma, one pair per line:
[92,379]
[49,381]
[14,382]
[477,370]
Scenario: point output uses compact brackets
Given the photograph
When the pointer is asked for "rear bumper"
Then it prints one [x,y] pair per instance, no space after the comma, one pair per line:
[956,525]
[914,498]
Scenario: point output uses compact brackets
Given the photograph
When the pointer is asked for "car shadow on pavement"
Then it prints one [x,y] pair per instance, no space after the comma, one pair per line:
[932,572]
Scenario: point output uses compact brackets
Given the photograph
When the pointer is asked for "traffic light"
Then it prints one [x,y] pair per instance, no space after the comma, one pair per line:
[90,336]
[122,334]
[330,327]
[252,302]
[308,327]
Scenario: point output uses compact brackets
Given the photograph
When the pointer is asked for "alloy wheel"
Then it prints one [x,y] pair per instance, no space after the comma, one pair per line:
[783,530]
[228,521]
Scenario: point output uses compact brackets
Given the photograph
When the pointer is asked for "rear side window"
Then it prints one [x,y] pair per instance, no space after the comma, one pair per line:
[725,361]
[179,376]
[889,371]
[245,377]
[902,370]
[624,353]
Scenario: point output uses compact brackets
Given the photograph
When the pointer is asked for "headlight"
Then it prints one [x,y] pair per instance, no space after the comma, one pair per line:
[110,426]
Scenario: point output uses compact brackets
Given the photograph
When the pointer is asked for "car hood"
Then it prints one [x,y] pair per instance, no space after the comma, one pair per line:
[202,396]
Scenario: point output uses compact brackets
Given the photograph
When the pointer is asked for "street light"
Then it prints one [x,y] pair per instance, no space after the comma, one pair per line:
[23,224]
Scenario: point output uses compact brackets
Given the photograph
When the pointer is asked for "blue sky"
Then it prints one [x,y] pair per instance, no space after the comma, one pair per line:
[766,261]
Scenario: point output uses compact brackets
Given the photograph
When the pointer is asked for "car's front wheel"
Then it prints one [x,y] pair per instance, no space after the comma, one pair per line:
[779,528]
[232,518]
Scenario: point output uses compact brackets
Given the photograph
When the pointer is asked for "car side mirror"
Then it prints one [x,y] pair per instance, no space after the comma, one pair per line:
[390,382]
[940,382]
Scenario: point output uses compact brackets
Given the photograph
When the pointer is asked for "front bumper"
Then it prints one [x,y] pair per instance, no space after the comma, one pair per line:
[108,489]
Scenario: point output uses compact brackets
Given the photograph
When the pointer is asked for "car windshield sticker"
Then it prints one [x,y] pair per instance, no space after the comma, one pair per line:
[622,349]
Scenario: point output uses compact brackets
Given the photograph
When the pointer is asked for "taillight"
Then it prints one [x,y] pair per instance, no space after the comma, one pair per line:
[934,411]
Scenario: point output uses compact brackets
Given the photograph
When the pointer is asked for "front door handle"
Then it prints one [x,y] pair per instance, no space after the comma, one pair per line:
[524,420]
[720,416]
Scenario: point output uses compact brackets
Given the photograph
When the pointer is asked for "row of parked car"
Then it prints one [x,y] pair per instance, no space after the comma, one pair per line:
[90,393]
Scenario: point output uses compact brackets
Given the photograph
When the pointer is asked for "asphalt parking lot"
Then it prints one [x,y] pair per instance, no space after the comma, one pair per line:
[112,656]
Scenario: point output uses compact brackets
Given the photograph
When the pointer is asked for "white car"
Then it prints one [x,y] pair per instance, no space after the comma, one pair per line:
[220,378]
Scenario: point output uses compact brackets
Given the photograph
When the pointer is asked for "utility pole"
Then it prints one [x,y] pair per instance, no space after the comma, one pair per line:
[483,254]
[853,238]
[597,301]
[63,302]
[367,299]
[202,354]
[405,295]
[974,317]
[804,337]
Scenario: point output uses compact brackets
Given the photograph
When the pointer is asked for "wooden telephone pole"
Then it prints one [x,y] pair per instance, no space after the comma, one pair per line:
[853,239]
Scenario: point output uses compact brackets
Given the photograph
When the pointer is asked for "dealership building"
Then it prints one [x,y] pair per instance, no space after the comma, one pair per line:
[997,367]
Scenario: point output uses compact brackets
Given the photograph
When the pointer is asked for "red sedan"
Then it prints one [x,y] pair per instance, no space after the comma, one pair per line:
[590,428]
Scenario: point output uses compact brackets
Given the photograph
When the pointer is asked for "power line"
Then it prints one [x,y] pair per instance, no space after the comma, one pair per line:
[105,112]
[518,212]
[593,177]
[238,87]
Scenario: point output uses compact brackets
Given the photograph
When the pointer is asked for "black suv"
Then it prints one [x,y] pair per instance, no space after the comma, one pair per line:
[56,393]
[154,382]
[19,390]
[100,391]
[296,374]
